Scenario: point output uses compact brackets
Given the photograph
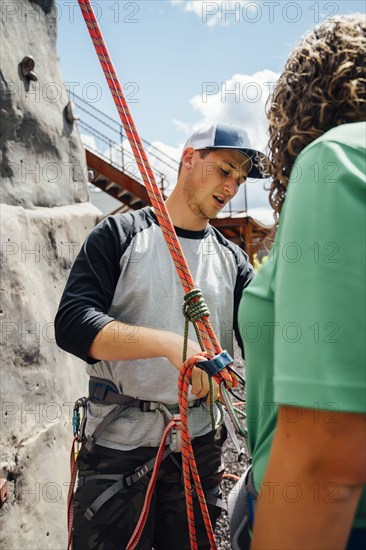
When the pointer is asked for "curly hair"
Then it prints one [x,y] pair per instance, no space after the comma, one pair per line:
[322,86]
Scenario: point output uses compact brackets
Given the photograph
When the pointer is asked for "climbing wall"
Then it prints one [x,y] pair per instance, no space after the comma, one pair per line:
[45,215]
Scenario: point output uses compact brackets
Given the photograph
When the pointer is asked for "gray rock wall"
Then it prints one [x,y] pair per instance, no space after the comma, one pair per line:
[45,217]
[41,152]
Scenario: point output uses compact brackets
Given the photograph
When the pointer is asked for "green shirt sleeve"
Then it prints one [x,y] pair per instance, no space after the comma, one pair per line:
[320,302]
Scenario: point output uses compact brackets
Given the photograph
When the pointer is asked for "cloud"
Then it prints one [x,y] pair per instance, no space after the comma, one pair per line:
[240,100]
[89,141]
[182,126]
[264,215]
[213,13]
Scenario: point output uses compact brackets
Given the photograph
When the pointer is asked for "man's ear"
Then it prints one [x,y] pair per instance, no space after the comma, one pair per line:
[187,157]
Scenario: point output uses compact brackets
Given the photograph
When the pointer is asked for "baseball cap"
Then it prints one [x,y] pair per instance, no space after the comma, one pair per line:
[226,136]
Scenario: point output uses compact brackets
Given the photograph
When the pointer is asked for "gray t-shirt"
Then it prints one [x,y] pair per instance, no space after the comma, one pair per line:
[124,271]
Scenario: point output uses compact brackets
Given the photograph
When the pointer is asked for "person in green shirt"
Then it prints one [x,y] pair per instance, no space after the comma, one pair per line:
[302,319]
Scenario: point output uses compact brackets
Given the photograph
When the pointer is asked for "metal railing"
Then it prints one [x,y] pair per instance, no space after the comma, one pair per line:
[109,141]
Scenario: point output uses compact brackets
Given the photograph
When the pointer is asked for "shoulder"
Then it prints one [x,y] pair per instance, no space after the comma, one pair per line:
[113,235]
[349,135]
[335,161]
[240,257]
[129,222]
[123,226]
[346,137]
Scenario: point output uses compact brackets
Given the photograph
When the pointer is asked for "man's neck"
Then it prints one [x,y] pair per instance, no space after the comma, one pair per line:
[181,215]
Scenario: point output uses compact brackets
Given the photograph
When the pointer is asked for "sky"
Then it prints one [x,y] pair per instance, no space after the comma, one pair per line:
[184,64]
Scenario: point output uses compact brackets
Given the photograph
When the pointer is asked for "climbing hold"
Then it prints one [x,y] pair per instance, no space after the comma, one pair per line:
[69,113]
[27,65]
[3,491]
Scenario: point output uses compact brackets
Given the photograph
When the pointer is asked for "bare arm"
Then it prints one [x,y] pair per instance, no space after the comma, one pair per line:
[119,341]
[313,481]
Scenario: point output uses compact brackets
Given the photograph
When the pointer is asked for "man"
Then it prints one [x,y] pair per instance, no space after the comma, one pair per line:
[121,313]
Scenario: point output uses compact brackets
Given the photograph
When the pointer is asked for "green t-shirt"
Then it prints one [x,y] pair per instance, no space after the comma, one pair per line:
[302,319]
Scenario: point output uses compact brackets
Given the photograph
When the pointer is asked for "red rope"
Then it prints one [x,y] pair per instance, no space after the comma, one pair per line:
[133,542]
[207,333]
[70,496]
[188,460]
[231,476]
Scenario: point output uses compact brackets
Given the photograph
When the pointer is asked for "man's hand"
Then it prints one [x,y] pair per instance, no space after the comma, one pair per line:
[111,344]
[201,386]
[199,379]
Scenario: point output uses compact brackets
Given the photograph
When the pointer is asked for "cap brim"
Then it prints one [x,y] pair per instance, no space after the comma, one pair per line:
[255,156]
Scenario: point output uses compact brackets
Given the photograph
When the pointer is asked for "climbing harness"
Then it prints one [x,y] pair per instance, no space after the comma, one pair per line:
[105,392]
[195,310]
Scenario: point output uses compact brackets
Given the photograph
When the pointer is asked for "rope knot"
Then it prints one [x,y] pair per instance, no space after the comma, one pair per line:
[194,306]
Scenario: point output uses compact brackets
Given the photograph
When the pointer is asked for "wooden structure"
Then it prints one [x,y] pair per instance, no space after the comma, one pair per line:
[248,233]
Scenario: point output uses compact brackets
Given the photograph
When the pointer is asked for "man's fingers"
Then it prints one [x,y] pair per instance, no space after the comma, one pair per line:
[205,385]
[201,385]
[196,381]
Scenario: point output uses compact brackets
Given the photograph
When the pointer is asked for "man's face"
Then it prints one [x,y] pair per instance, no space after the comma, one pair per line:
[214,180]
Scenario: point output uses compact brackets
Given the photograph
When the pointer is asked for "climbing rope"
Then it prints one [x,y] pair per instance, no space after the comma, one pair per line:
[133,542]
[188,460]
[194,308]
[70,496]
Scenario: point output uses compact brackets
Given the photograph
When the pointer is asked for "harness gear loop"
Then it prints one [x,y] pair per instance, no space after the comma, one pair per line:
[176,435]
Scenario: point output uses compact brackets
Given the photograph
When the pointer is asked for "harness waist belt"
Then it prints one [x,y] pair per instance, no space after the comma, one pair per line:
[105,392]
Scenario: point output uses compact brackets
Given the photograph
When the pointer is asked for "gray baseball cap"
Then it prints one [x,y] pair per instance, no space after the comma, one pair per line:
[226,136]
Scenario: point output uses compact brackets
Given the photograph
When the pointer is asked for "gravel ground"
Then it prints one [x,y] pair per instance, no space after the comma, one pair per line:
[232,466]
